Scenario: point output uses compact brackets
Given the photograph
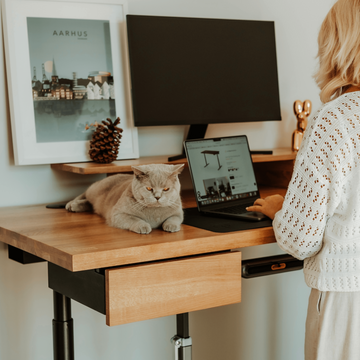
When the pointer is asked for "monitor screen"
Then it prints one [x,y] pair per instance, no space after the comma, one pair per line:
[188,71]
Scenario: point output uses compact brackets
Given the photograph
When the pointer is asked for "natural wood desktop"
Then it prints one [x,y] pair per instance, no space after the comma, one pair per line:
[83,241]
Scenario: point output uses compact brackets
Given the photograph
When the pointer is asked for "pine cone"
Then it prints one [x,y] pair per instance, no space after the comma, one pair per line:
[104,145]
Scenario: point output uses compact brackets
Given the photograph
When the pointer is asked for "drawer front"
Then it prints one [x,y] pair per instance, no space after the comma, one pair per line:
[141,292]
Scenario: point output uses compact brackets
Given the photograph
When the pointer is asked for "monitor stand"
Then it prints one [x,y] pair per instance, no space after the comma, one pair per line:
[196,131]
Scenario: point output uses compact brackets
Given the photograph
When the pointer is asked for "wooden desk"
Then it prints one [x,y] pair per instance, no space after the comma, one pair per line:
[138,277]
[82,241]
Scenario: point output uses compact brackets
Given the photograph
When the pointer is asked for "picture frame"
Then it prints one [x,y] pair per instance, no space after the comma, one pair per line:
[58,55]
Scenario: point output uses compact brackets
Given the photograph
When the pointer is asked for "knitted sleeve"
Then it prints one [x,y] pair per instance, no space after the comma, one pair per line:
[314,190]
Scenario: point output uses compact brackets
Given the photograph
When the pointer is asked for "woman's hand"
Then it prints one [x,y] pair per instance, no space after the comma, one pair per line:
[268,206]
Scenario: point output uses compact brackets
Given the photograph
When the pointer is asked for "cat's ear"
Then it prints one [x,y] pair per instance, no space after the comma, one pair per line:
[177,169]
[138,172]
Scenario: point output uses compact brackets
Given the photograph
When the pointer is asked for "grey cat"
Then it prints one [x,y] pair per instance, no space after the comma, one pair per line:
[141,202]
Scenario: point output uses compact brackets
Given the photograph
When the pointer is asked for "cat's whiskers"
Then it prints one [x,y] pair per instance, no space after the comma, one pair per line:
[173,204]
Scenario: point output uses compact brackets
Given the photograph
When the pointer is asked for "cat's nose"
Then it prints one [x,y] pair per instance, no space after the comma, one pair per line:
[157,197]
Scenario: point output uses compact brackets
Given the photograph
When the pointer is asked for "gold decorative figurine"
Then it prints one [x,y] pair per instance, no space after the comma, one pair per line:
[302,110]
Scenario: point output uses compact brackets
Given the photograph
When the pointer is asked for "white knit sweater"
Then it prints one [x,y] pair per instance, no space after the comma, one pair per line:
[320,217]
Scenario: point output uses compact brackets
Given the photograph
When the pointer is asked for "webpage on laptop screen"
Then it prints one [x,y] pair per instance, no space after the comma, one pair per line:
[221,170]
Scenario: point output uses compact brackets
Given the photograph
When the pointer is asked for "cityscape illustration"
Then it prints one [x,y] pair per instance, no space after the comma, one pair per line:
[99,85]
[72,80]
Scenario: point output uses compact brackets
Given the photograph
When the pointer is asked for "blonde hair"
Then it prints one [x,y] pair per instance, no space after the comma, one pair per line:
[339,50]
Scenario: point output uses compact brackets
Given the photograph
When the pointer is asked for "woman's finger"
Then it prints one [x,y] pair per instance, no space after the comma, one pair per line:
[254,208]
[259,202]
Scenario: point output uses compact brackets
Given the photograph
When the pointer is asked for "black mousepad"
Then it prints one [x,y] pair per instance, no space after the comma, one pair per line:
[194,218]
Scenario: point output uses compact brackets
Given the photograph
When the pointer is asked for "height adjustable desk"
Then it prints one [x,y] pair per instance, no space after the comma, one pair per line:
[211,152]
[130,277]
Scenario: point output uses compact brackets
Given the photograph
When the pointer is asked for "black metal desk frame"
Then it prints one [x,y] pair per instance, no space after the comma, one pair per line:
[211,152]
[88,288]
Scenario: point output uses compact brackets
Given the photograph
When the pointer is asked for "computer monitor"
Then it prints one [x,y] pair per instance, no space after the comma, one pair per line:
[200,71]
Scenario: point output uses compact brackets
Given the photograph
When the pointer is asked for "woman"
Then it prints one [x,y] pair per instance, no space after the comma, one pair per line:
[319,218]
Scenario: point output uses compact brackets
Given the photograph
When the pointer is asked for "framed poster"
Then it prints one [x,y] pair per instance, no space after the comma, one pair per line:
[67,68]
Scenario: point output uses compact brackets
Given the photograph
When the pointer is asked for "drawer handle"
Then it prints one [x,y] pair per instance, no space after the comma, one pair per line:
[278,266]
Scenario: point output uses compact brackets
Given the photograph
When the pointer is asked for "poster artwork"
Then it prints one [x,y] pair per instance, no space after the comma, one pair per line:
[72,82]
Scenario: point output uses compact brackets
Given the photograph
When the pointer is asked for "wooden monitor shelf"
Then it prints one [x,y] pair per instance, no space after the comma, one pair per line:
[282,155]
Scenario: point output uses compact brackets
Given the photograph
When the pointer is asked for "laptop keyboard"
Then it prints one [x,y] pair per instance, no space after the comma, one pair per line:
[237,209]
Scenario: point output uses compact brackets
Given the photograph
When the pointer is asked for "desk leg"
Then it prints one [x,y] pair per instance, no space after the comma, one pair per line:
[206,163]
[218,162]
[63,330]
[182,340]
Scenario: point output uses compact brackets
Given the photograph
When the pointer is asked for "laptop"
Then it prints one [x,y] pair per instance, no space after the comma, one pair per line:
[223,177]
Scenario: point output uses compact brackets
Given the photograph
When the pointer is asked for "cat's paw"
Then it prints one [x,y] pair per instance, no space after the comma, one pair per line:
[142,228]
[78,206]
[171,227]
[68,206]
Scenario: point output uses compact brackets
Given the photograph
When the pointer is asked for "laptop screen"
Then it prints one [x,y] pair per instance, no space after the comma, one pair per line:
[221,169]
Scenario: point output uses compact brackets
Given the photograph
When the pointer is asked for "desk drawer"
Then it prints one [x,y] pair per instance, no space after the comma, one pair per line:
[151,290]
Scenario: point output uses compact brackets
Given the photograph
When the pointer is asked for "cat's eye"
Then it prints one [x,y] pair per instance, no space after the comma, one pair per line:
[149,188]
[166,189]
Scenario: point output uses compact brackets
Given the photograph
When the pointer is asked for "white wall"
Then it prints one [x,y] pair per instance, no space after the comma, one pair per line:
[269,323]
